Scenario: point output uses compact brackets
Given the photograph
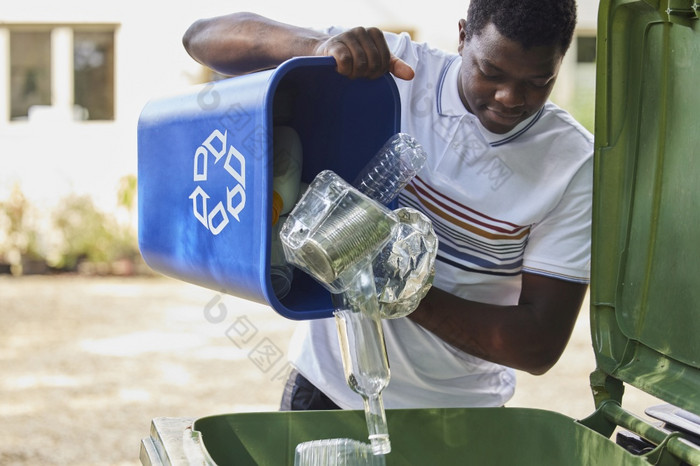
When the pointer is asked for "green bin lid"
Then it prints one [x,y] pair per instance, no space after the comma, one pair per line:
[645,280]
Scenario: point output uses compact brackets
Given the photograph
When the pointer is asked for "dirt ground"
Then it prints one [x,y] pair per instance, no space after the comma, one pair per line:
[86,363]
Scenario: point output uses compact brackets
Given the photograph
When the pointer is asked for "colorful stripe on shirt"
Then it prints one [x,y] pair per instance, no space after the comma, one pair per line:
[468,239]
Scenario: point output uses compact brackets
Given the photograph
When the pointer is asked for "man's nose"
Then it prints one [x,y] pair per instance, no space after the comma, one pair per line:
[511,95]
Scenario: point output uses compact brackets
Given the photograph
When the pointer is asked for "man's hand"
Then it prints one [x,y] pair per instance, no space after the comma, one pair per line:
[363,53]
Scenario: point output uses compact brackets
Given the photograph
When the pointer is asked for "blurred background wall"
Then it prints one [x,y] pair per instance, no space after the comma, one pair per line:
[75,74]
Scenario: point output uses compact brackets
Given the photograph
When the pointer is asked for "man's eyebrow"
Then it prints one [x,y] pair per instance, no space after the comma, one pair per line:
[488,63]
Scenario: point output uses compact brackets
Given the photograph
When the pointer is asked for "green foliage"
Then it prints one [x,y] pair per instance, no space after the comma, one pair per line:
[78,231]
[583,108]
[89,234]
[126,193]
[18,236]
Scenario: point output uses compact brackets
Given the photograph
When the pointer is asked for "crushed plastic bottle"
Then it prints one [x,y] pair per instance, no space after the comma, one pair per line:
[405,268]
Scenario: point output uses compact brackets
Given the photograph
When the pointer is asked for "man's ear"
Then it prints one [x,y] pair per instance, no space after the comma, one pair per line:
[462,24]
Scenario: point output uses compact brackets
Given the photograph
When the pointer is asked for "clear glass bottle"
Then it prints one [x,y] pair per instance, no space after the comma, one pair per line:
[363,350]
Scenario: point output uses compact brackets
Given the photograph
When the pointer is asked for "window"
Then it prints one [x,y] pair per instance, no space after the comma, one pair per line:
[30,71]
[93,71]
[585,49]
[62,65]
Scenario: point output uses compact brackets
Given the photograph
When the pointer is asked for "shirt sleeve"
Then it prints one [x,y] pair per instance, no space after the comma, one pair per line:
[560,245]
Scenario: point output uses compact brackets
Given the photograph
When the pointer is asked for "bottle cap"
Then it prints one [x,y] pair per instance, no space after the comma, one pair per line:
[277,205]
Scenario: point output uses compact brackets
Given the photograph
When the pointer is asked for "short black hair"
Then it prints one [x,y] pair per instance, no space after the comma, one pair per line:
[528,22]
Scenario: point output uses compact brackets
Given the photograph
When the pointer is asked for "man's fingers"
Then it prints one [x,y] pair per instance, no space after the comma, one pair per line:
[401,69]
[355,64]
[379,53]
[364,53]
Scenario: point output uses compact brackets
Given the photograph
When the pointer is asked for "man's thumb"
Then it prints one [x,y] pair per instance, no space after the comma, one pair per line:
[400,69]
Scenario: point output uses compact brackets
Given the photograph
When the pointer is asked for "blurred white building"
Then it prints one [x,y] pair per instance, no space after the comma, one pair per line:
[75,74]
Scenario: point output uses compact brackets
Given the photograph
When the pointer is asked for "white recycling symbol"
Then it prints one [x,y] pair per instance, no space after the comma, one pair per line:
[216,219]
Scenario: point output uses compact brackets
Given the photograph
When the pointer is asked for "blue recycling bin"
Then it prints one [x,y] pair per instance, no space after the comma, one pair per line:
[205,171]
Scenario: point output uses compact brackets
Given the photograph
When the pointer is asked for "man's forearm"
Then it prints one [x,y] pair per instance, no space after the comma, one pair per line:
[241,43]
[494,333]
[529,336]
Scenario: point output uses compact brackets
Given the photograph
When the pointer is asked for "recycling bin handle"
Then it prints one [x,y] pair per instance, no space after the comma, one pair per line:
[675,444]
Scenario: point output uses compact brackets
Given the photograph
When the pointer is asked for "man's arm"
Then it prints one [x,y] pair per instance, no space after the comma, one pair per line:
[241,43]
[530,336]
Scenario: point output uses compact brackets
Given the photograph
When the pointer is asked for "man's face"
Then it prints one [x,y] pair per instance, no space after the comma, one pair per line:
[501,82]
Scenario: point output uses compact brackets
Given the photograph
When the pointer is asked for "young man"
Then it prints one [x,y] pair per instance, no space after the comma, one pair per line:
[507,186]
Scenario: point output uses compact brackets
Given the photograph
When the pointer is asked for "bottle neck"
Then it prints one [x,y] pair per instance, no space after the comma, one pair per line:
[376,425]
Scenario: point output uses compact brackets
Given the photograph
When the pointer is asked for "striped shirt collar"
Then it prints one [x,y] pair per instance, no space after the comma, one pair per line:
[450,104]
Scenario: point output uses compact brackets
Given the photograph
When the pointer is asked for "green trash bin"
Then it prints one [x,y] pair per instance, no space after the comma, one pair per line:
[456,436]
[645,289]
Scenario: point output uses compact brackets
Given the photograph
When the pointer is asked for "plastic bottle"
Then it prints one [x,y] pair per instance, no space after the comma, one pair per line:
[286,181]
[391,168]
[286,167]
[336,452]
[281,271]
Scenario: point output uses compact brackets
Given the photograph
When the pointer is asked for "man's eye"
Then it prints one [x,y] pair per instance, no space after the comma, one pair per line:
[490,76]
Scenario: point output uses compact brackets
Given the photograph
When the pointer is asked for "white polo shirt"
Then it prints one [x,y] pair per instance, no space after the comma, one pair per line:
[501,204]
